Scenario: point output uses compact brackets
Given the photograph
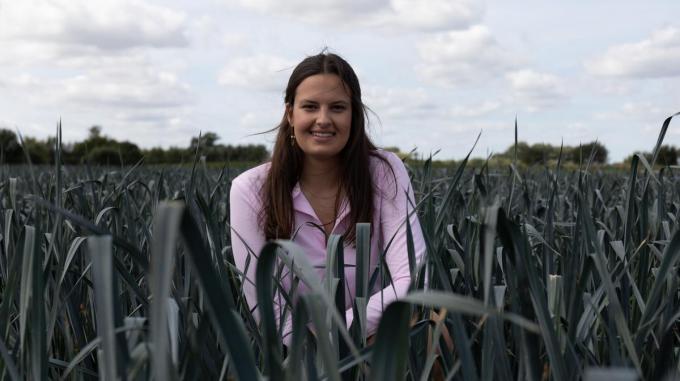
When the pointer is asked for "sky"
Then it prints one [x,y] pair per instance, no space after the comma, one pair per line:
[435,73]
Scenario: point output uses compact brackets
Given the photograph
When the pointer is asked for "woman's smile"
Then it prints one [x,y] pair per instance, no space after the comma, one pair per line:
[323,136]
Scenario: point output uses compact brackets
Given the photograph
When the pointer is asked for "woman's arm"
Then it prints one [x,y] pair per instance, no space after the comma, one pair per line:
[394,209]
[247,238]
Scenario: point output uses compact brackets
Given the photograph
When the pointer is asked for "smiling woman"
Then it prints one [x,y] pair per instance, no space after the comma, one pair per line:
[326,176]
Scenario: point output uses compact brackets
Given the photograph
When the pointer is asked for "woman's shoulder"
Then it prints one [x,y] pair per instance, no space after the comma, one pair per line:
[252,179]
[386,168]
[381,157]
[381,161]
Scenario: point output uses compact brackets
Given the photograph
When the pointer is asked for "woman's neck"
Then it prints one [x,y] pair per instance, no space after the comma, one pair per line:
[320,175]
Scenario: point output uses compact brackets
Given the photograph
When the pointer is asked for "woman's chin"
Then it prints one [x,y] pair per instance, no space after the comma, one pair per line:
[322,154]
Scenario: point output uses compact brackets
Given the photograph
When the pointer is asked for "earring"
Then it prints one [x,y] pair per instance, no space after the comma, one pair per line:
[292,140]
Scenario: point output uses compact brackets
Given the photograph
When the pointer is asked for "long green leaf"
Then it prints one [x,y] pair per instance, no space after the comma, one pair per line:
[163,253]
[101,255]
[388,361]
[218,299]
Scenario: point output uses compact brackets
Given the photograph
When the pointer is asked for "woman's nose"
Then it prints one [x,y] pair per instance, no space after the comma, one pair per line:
[323,118]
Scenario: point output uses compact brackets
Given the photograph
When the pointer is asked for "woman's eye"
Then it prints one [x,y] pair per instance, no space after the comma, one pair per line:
[339,108]
[308,107]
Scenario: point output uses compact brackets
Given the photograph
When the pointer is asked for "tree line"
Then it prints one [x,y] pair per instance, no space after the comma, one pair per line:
[104,150]
[541,153]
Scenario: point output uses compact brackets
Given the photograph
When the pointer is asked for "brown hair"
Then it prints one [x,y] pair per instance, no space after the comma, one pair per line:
[276,216]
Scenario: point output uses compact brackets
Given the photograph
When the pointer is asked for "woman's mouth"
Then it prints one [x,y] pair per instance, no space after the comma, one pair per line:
[323,134]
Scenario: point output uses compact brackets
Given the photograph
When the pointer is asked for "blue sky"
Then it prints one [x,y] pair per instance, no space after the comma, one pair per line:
[435,72]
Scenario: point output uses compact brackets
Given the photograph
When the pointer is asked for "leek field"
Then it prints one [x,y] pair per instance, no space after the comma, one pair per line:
[532,274]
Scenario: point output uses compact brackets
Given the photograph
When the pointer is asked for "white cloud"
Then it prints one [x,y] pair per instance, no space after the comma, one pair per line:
[130,88]
[253,127]
[209,32]
[104,24]
[530,82]
[642,108]
[536,90]
[254,122]
[656,56]
[20,80]
[322,10]
[234,41]
[638,111]
[579,131]
[85,34]
[611,86]
[260,72]
[431,14]
[126,95]
[474,110]
[125,86]
[458,57]
[412,14]
[391,102]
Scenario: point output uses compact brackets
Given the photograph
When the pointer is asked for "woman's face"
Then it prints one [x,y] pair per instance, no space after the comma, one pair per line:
[321,116]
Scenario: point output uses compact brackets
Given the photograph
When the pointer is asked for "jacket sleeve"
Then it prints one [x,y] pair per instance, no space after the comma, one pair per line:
[395,207]
[247,238]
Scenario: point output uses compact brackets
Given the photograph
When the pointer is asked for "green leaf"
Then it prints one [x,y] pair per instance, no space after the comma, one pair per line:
[388,361]
[363,257]
[9,361]
[466,305]
[102,277]
[670,258]
[610,374]
[26,288]
[219,302]
[163,252]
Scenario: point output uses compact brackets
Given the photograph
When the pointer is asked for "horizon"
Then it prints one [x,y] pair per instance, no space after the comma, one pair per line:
[551,149]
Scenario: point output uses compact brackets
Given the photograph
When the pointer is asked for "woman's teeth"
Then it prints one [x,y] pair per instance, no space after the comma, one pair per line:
[323,134]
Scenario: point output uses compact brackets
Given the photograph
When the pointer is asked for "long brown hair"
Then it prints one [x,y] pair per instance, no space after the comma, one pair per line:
[276,216]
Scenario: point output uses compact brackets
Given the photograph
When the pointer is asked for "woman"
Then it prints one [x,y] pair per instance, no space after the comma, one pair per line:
[325,176]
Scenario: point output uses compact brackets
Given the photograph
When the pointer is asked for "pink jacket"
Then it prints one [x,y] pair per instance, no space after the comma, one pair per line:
[390,211]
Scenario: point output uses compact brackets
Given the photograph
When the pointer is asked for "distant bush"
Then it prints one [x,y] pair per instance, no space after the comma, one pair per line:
[104,156]
[541,153]
[668,155]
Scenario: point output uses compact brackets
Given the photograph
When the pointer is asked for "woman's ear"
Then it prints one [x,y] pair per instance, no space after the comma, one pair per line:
[289,113]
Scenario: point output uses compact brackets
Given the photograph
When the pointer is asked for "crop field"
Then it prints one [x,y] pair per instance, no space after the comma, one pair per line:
[539,274]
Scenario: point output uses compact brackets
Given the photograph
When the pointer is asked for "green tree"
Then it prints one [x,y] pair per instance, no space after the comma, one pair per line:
[541,153]
[100,149]
[599,152]
[95,139]
[207,140]
[530,154]
[176,155]
[129,152]
[154,155]
[38,151]
[668,155]
[104,155]
[9,147]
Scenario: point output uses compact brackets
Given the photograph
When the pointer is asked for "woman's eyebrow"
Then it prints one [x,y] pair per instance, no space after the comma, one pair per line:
[339,101]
